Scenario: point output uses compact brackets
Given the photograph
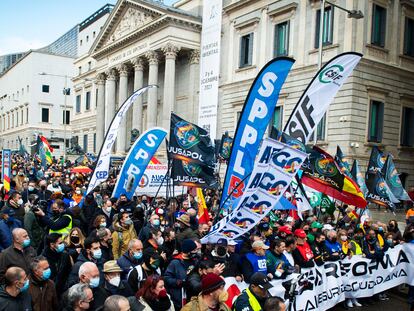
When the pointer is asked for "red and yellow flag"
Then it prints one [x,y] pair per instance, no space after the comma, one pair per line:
[203,216]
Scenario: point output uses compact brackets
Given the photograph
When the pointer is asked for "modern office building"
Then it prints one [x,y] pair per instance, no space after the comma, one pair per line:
[7,60]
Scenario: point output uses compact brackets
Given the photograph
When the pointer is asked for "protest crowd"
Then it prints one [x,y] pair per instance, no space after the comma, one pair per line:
[106,253]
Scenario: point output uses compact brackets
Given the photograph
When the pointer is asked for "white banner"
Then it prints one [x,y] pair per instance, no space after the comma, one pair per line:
[100,174]
[151,181]
[319,95]
[210,66]
[275,166]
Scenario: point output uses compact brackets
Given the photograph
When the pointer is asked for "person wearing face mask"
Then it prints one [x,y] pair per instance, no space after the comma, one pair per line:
[112,285]
[104,236]
[43,193]
[107,211]
[14,294]
[19,179]
[42,288]
[131,258]
[91,253]
[184,230]
[54,186]
[371,247]
[333,246]
[74,242]
[78,298]
[124,232]
[98,223]
[150,265]
[178,270]
[212,297]
[59,261]
[15,203]
[77,195]
[254,297]
[60,221]
[255,261]
[231,262]
[193,282]
[31,190]
[155,244]
[319,250]
[395,231]
[153,223]
[19,254]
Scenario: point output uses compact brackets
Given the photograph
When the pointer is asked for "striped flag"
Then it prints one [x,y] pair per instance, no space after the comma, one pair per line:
[203,216]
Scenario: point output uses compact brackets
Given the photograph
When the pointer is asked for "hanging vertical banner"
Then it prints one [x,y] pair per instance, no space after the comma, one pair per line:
[6,168]
[137,161]
[253,123]
[100,173]
[210,66]
[319,94]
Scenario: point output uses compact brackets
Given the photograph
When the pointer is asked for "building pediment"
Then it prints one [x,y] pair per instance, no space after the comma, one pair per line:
[132,17]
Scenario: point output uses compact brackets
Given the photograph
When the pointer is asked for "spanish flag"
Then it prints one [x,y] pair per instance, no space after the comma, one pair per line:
[203,216]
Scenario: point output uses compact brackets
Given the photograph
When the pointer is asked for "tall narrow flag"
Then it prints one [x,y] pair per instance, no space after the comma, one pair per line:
[342,162]
[393,180]
[319,94]
[358,177]
[100,173]
[203,216]
[253,123]
[6,168]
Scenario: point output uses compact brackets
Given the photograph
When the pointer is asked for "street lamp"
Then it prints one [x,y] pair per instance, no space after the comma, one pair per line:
[356,14]
[66,92]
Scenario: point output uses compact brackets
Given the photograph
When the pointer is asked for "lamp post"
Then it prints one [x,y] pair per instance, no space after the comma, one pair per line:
[65,93]
[356,14]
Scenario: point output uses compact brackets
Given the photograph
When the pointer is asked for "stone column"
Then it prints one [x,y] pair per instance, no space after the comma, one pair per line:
[194,84]
[110,97]
[100,110]
[138,83]
[123,94]
[152,102]
[170,52]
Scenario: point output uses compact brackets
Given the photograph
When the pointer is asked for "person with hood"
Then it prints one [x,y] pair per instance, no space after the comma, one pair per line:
[131,258]
[61,220]
[177,271]
[14,294]
[59,261]
[91,253]
[41,288]
[124,232]
[213,296]
[253,298]
[152,296]
[184,230]
[19,254]
[150,265]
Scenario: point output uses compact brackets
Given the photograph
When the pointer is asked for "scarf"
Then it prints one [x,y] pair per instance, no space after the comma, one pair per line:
[161,304]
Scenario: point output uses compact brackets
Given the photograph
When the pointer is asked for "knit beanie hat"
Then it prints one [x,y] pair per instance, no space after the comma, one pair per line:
[210,282]
[187,246]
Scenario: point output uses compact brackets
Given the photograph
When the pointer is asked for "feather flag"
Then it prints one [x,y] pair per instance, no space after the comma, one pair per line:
[393,181]
[203,216]
[342,162]
[358,177]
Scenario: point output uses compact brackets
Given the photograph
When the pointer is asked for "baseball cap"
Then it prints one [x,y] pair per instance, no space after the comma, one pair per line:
[300,233]
[259,244]
[316,225]
[263,226]
[231,242]
[285,229]
[222,242]
[259,279]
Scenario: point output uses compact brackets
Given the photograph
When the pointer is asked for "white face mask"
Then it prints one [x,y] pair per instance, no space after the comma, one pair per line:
[115,281]
[108,209]
[160,240]
[78,192]
[344,238]
[20,201]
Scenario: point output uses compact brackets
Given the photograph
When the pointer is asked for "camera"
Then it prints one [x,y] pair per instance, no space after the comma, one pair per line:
[38,204]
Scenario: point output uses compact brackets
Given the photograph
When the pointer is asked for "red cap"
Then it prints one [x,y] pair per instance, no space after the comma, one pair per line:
[285,229]
[300,233]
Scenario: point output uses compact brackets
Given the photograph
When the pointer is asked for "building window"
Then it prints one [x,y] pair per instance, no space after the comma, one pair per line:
[80,42]
[327,34]
[79,70]
[277,118]
[88,101]
[27,115]
[281,39]
[379,23]
[96,98]
[87,38]
[85,143]
[409,37]
[45,88]
[376,117]
[94,34]
[66,117]
[246,50]
[45,115]
[89,65]
[407,127]
[78,103]
[21,117]
[94,142]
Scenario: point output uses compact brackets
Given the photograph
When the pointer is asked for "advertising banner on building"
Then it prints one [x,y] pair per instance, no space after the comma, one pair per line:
[137,160]
[6,168]
[253,123]
[210,66]
[100,174]
[319,95]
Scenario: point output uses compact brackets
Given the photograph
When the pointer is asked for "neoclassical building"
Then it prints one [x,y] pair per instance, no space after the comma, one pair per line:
[141,43]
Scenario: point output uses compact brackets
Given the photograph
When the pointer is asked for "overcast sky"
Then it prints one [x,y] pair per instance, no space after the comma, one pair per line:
[32,24]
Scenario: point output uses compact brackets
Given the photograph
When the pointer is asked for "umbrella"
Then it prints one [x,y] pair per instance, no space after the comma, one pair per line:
[81,169]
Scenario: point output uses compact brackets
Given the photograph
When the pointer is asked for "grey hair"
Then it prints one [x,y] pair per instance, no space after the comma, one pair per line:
[101,233]
[34,265]
[112,303]
[85,267]
[132,242]
[77,293]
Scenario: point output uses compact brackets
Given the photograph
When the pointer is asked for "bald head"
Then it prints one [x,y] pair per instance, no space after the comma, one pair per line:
[19,235]
[14,275]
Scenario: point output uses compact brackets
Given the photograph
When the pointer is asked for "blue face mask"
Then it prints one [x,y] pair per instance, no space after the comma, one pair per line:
[46,274]
[94,283]
[60,248]
[25,286]
[156,222]
[26,243]
[138,255]
[97,254]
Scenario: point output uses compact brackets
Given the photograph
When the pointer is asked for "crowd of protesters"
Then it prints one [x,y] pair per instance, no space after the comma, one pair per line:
[61,250]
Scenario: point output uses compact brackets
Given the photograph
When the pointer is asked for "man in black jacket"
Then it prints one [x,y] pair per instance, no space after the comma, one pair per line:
[14,295]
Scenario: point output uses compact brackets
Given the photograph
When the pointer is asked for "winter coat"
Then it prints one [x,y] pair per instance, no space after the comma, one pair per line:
[121,238]
[5,236]
[187,233]
[141,305]
[12,256]
[43,293]
[74,274]
[198,304]
[60,266]
[21,302]
[127,263]
[33,228]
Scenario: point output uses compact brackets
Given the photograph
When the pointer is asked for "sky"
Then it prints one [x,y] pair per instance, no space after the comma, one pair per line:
[32,24]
